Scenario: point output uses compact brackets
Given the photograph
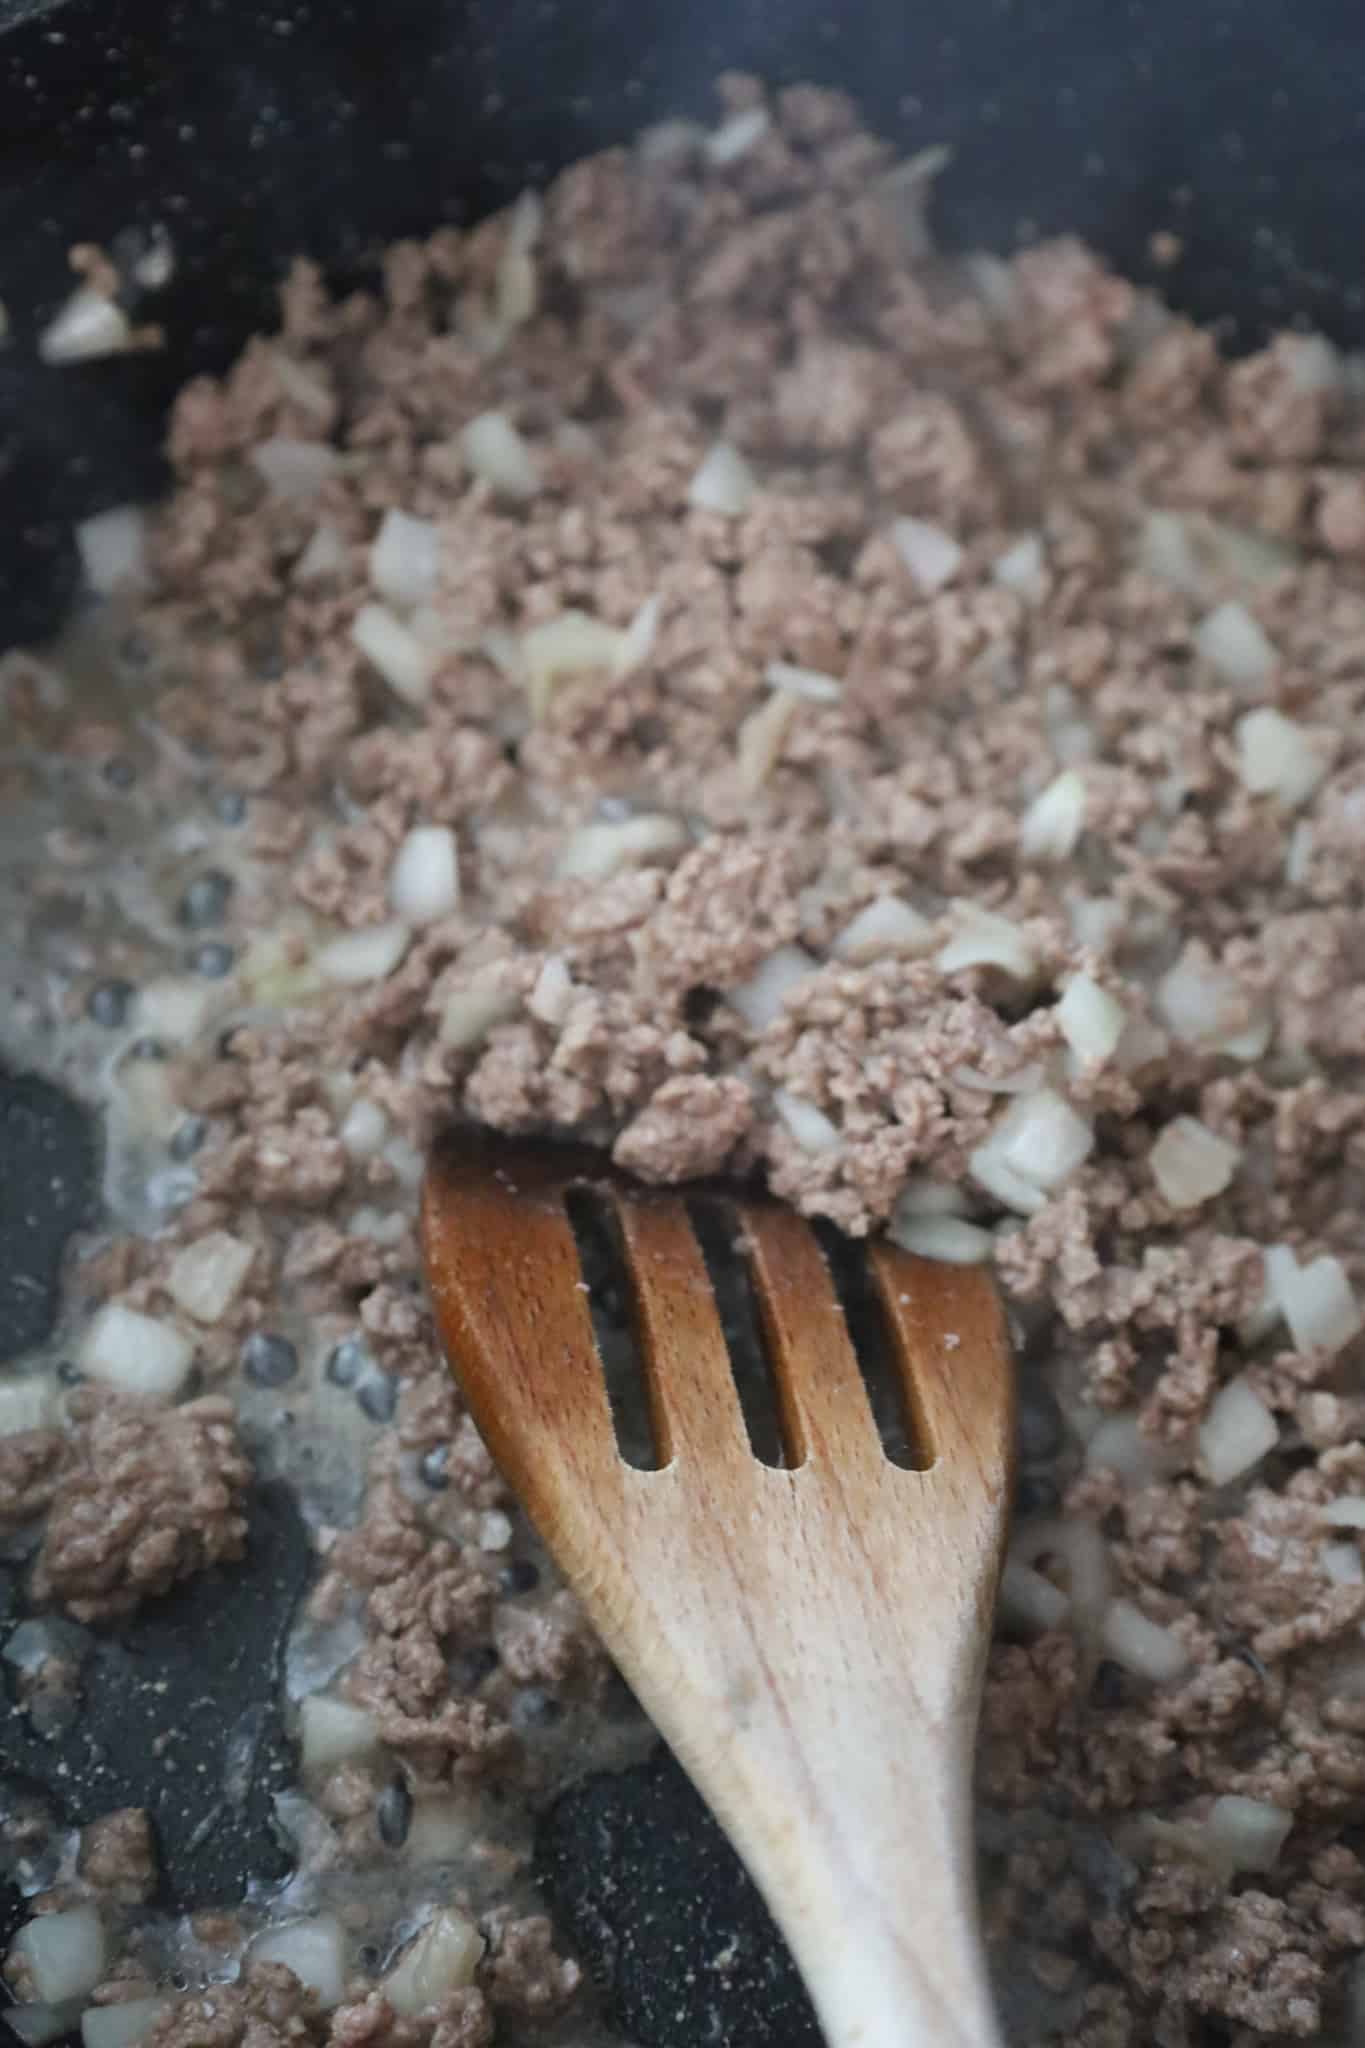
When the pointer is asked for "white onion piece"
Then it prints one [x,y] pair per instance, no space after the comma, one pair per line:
[424,881]
[1316,1301]
[442,1959]
[1023,1081]
[982,938]
[1205,1006]
[174,1010]
[991,1172]
[596,852]
[950,1238]
[302,383]
[1231,642]
[760,999]
[121,2026]
[29,1403]
[553,992]
[724,483]
[737,134]
[930,553]
[324,556]
[88,326]
[138,1354]
[470,1014]
[1341,1564]
[571,645]
[364,1129]
[405,557]
[1238,1431]
[333,1732]
[1097,921]
[1245,1834]
[1191,1164]
[810,683]
[811,1128]
[38,2025]
[439,1832]
[1142,1646]
[1347,1512]
[888,925]
[495,1530]
[1165,551]
[922,1195]
[1029,1600]
[1118,1444]
[395,650]
[1277,758]
[315,1950]
[1022,569]
[113,549]
[1314,364]
[1042,1139]
[366,955]
[1298,854]
[292,469]
[206,1276]
[1054,821]
[1091,1019]
[758,747]
[518,286]
[638,640]
[1078,1547]
[63,1954]
[500,455]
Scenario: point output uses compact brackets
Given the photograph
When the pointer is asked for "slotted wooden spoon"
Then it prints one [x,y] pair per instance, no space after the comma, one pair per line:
[810,1640]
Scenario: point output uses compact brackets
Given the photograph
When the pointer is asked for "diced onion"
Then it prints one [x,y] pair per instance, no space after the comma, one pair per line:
[758,747]
[1029,1600]
[1118,1444]
[395,650]
[294,469]
[441,1960]
[1230,641]
[424,882]
[1341,1564]
[315,1950]
[760,999]
[950,1238]
[930,553]
[518,286]
[1091,1020]
[206,1276]
[87,327]
[1166,553]
[1277,758]
[1238,1431]
[39,2025]
[439,1831]
[495,1530]
[549,1000]
[888,925]
[28,1403]
[500,455]
[136,1353]
[405,556]
[1316,1300]
[1191,1164]
[811,1128]
[922,1195]
[174,1010]
[1142,1646]
[333,1732]
[112,547]
[723,483]
[364,1129]
[810,683]
[121,2026]
[1078,1547]
[571,645]
[1245,1834]
[1347,1512]
[366,955]
[324,556]
[1096,920]
[470,1014]
[1205,1006]
[63,1954]
[1054,820]
[1042,1139]
[737,135]
[595,852]
[991,1172]
[1022,569]
[1020,1081]
[982,938]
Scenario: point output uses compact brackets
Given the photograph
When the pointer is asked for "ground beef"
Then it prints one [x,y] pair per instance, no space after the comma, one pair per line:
[1038,751]
[147,1496]
[118,1855]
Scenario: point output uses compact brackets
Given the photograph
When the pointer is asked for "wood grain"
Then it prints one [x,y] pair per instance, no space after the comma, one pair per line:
[810,1640]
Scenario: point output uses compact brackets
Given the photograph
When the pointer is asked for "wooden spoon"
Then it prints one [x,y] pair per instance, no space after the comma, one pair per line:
[810,1640]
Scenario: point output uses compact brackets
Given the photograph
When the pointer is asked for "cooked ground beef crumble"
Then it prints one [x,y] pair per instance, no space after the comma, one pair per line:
[1018,906]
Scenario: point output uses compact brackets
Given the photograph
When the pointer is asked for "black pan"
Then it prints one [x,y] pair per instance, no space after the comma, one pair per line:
[255,129]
